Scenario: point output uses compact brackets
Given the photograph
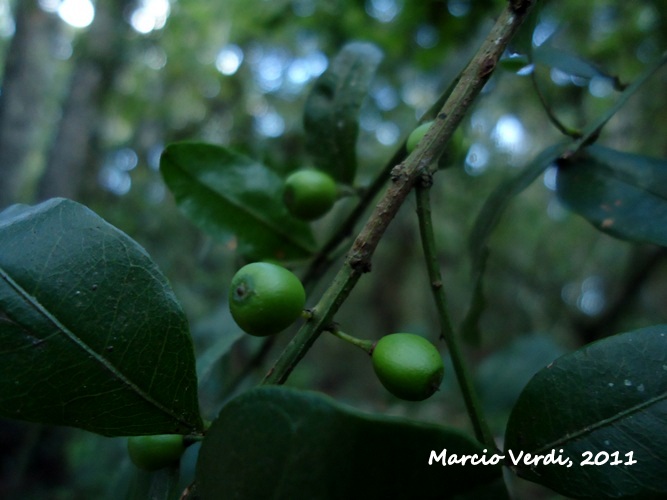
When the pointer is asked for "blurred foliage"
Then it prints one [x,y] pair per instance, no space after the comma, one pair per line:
[236,73]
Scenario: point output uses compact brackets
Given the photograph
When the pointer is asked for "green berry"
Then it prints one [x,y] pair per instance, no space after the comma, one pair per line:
[309,194]
[265,298]
[155,452]
[408,366]
[416,136]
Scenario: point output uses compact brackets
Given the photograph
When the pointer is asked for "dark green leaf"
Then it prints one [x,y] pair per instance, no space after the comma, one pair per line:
[610,396]
[226,194]
[592,130]
[497,490]
[522,42]
[275,442]
[221,327]
[501,197]
[91,334]
[567,62]
[498,201]
[622,194]
[504,374]
[331,116]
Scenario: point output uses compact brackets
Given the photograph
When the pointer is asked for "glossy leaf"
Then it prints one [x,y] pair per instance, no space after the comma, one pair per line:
[227,194]
[610,396]
[500,198]
[331,116]
[91,334]
[622,194]
[276,442]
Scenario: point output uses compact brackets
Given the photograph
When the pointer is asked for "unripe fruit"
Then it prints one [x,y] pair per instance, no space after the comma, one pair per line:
[309,194]
[155,452]
[416,136]
[265,298]
[408,366]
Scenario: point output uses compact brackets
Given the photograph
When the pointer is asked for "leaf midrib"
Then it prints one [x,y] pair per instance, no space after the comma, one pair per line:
[627,179]
[602,423]
[246,209]
[35,305]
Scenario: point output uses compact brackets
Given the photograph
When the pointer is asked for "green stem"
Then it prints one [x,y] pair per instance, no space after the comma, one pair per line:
[551,115]
[321,317]
[403,176]
[470,397]
[592,131]
[366,345]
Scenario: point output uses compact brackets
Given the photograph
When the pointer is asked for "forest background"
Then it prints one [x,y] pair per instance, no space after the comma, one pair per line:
[92,93]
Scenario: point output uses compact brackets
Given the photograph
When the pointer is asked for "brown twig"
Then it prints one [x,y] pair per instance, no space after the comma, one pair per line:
[403,177]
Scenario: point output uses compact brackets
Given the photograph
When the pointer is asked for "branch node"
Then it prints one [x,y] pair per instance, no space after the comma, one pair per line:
[360,264]
[487,67]
[396,173]
[425,179]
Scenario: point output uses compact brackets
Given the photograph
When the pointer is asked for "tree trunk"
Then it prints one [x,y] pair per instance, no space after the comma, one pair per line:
[25,90]
[99,55]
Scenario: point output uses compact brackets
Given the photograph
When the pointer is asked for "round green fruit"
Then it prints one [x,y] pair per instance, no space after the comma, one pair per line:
[155,452]
[265,298]
[309,194]
[408,366]
[416,136]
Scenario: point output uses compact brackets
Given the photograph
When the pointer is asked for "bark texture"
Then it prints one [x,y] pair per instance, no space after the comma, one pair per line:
[25,91]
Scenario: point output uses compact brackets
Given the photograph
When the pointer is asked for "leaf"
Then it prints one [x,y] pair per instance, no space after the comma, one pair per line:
[331,115]
[225,193]
[610,396]
[91,334]
[522,42]
[515,63]
[501,197]
[276,442]
[622,194]
[569,63]
[220,327]
[499,200]
[503,375]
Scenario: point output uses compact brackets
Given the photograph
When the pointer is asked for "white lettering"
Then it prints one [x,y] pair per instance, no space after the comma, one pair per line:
[515,459]
[437,458]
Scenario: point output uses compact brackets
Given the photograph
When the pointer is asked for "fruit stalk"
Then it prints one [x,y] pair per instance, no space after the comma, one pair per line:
[403,176]
[365,345]
[470,397]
